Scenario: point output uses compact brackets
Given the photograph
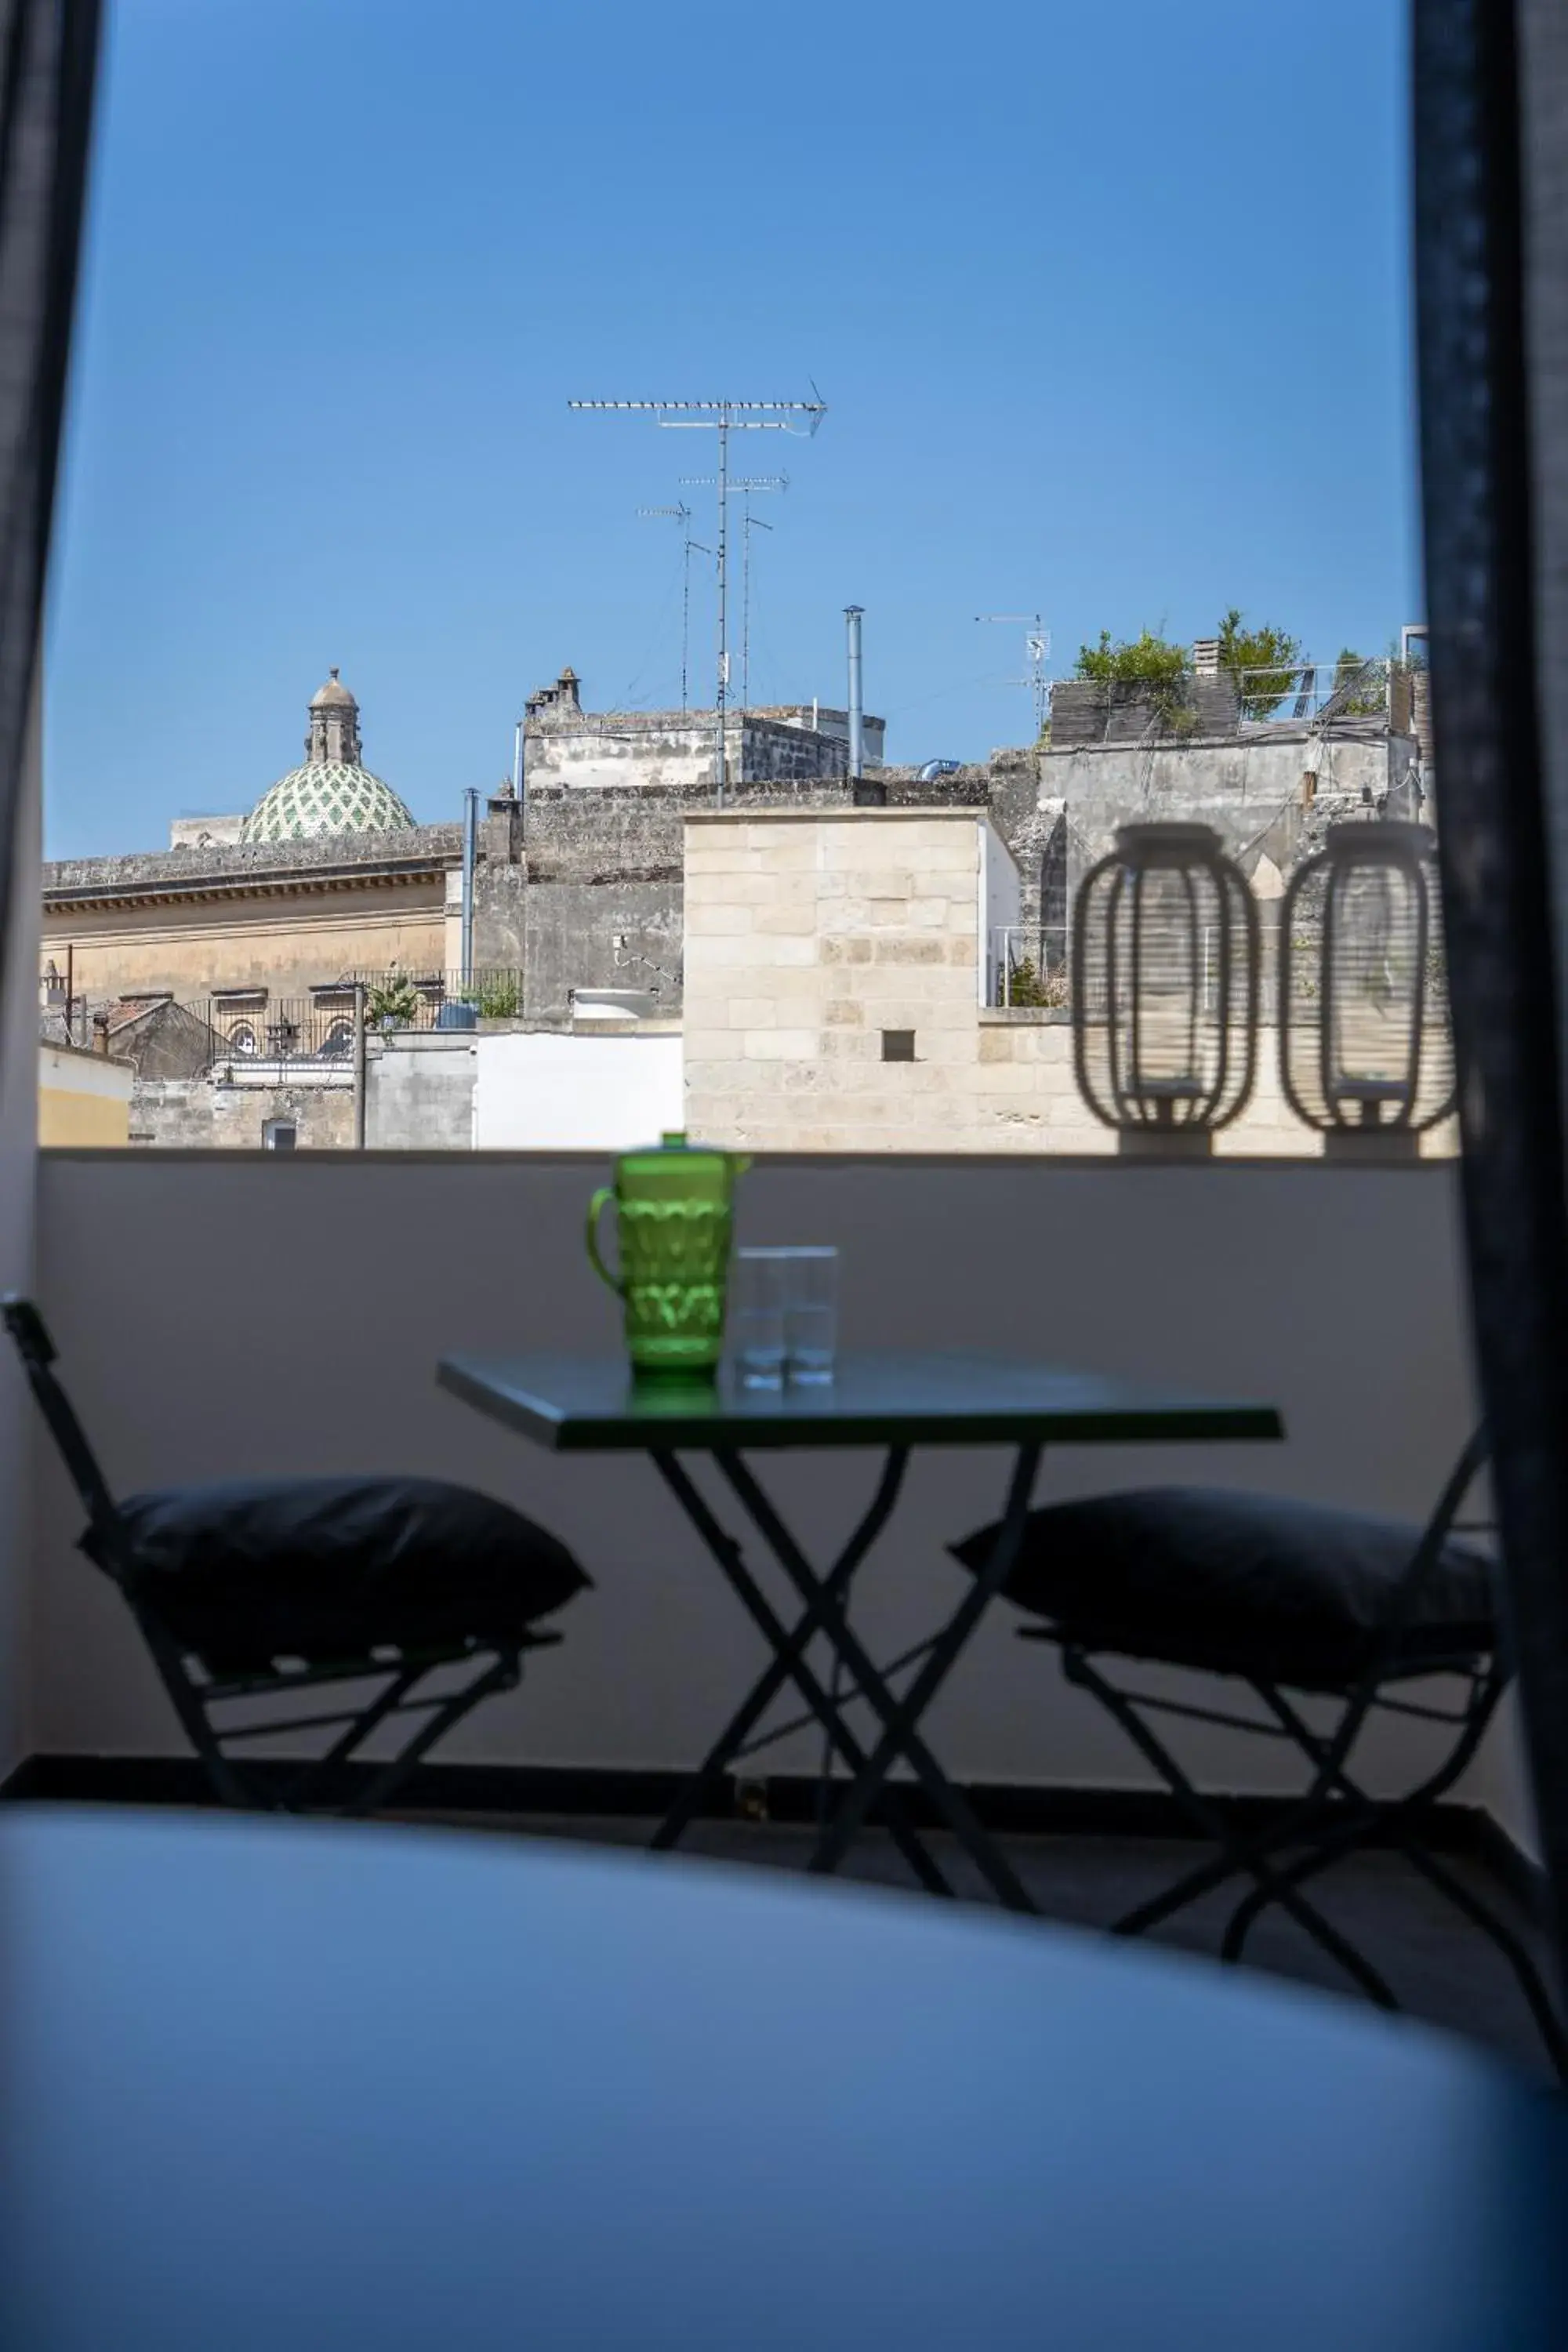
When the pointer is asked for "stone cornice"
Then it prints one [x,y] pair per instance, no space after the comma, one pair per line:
[253,870]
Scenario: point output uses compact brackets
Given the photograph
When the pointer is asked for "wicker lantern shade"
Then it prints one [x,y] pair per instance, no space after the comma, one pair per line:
[1164,988]
[1365,1055]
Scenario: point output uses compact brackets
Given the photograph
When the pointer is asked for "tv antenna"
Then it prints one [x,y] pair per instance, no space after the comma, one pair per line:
[1036,653]
[723,417]
[745,484]
[683,515]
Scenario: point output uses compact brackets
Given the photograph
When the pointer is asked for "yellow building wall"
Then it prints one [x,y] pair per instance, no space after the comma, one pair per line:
[286,944]
[82,1119]
[83,1098]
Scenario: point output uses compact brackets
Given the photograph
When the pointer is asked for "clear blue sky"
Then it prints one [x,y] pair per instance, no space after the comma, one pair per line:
[1110,305]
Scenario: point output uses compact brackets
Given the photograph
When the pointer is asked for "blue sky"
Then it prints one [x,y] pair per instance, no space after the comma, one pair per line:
[1109,307]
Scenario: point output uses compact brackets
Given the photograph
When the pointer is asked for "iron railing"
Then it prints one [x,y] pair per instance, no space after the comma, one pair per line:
[1281,694]
[289,1029]
[493,991]
[256,1029]
[1026,966]
[1029,968]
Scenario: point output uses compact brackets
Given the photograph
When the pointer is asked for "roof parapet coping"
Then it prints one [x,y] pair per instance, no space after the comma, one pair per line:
[918,813]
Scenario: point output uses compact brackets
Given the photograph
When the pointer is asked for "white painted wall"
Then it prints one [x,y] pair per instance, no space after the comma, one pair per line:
[545,1093]
[999,910]
[680,757]
[234,1314]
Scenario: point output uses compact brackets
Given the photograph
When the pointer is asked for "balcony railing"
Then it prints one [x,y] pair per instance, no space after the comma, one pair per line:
[1029,969]
[1026,966]
[318,1031]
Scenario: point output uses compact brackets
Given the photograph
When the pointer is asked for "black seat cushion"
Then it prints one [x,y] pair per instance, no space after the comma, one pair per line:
[1246,1584]
[325,1568]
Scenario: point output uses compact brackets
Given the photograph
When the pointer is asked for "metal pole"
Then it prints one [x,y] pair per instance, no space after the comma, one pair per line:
[720,768]
[857,716]
[517,760]
[359,1065]
[750,522]
[70,996]
[471,845]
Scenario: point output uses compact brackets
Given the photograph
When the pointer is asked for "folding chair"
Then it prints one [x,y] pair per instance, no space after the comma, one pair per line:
[1300,1604]
[261,1590]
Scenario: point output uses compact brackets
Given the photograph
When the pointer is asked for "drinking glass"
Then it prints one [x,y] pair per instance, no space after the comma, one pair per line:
[811,1313]
[757,1316]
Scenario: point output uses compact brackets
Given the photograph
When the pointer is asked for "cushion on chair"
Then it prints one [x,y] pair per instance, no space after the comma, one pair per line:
[1246,1584]
[329,1568]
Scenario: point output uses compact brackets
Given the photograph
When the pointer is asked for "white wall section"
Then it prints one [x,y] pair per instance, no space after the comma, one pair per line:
[540,1092]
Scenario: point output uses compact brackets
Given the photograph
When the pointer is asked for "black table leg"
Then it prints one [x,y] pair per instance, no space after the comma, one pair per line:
[901,1717]
[822,1612]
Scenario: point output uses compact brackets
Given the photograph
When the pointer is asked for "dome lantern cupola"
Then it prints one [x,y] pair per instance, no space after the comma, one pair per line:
[332,793]
[334,725]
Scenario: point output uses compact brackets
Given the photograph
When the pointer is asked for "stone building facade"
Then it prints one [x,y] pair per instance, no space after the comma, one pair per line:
[568,748]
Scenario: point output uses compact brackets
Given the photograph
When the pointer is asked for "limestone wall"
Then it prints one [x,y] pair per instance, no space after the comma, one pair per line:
[419,1091]
[816,945]
[673,750]
[831,1001]
[208,1115]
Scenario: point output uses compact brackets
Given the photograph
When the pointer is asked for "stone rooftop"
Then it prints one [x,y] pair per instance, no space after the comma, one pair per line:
[189,868]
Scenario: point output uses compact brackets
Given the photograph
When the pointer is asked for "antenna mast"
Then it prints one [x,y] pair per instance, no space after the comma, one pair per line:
[1036,653]
[723,417]
[683,515]
[749,521]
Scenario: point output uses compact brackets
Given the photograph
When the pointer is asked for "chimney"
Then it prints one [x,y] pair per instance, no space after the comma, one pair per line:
[856,708]
[1206,657]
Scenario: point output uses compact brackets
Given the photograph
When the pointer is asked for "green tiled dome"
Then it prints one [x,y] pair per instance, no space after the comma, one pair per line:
[325,797]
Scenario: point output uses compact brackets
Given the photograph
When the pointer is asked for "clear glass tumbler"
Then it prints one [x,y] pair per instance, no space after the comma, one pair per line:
[757,1316]
[811,1313]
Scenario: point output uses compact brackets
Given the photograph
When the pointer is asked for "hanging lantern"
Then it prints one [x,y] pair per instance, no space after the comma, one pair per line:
[1365,1055]
[1164,988]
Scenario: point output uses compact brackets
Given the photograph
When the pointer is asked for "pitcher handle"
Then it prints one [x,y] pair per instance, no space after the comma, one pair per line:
[605,1194]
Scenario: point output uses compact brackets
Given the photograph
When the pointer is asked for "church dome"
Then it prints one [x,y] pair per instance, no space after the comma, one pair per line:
[325,797]
[331,793]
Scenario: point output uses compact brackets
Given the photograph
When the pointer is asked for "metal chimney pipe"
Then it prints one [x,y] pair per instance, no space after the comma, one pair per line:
[470,842]
[856,708]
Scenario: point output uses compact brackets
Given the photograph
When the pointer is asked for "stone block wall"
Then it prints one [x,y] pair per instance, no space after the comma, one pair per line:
[662,750]
[815,946]
[1035,1104]
[832,1001]
[207,1115]
[600,900]
[419,1091]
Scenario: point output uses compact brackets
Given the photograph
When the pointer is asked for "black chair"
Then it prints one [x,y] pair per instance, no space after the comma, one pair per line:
[260,1589]
[1301,1604]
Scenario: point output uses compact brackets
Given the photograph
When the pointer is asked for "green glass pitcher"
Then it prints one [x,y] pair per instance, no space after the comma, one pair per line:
[674,1211]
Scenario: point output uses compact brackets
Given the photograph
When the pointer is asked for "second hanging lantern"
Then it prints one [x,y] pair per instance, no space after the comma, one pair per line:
[1164,988]
[1366,1053]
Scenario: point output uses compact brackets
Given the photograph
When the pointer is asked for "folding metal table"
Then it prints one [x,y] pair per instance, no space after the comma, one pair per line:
[893,1403]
